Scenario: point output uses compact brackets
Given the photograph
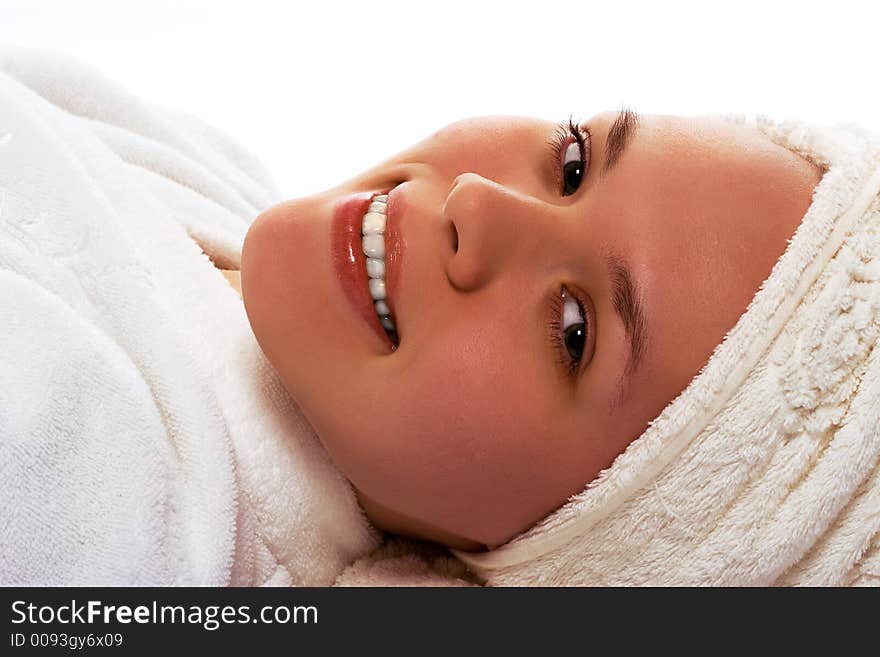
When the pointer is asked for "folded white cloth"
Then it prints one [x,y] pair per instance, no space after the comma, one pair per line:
[765,469]
[407,562]
[144,438]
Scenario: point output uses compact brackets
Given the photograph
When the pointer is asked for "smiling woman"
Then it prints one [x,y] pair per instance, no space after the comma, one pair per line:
[581,297]
[648,358]
[627,350]
[605,373]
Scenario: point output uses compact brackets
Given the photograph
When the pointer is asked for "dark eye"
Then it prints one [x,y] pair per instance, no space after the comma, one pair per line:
[573,166]
[572,156]
[574,328]
[568,330]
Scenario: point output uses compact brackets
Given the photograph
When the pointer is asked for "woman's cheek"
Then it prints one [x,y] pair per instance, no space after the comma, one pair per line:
[450,438]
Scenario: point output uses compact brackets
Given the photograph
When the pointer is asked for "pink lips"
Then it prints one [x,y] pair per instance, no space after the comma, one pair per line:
[349,261]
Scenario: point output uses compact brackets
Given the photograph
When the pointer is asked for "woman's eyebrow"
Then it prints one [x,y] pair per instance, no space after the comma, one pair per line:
[627,301]
[619,136]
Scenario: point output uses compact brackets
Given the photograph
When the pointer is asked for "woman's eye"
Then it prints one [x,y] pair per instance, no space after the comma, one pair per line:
[568,330]
[571,156]
[572,169]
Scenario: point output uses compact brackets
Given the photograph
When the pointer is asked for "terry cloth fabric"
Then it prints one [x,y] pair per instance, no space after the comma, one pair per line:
[406,562]
[144,438]
[764,470]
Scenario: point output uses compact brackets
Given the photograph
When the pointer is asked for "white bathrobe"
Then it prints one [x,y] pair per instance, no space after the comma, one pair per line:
[144,439]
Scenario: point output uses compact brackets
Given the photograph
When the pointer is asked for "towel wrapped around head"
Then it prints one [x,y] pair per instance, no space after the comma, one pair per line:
[764,470]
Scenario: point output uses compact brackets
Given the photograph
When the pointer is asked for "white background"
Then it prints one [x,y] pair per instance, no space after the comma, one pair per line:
[320,90]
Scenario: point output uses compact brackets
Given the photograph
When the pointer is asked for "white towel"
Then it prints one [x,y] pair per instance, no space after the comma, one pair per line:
[144,438]
[765,469]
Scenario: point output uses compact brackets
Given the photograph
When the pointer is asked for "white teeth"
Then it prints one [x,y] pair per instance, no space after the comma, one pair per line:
[377,288]
[375,268]
[373,224]
[374,246]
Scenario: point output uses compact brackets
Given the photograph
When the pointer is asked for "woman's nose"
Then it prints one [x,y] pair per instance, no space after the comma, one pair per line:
[493,228]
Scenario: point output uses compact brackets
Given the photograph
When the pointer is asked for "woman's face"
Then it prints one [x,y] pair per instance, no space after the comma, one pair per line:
[494,410]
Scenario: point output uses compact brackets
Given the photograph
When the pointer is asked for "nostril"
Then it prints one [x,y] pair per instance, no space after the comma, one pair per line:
[454,232]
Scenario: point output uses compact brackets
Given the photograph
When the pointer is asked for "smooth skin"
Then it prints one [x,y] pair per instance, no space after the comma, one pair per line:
[472,430]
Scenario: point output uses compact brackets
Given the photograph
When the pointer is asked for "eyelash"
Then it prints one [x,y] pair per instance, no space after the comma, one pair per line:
[554,326]
[564,134]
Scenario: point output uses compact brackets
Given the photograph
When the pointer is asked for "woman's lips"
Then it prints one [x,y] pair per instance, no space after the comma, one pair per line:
[349,261]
